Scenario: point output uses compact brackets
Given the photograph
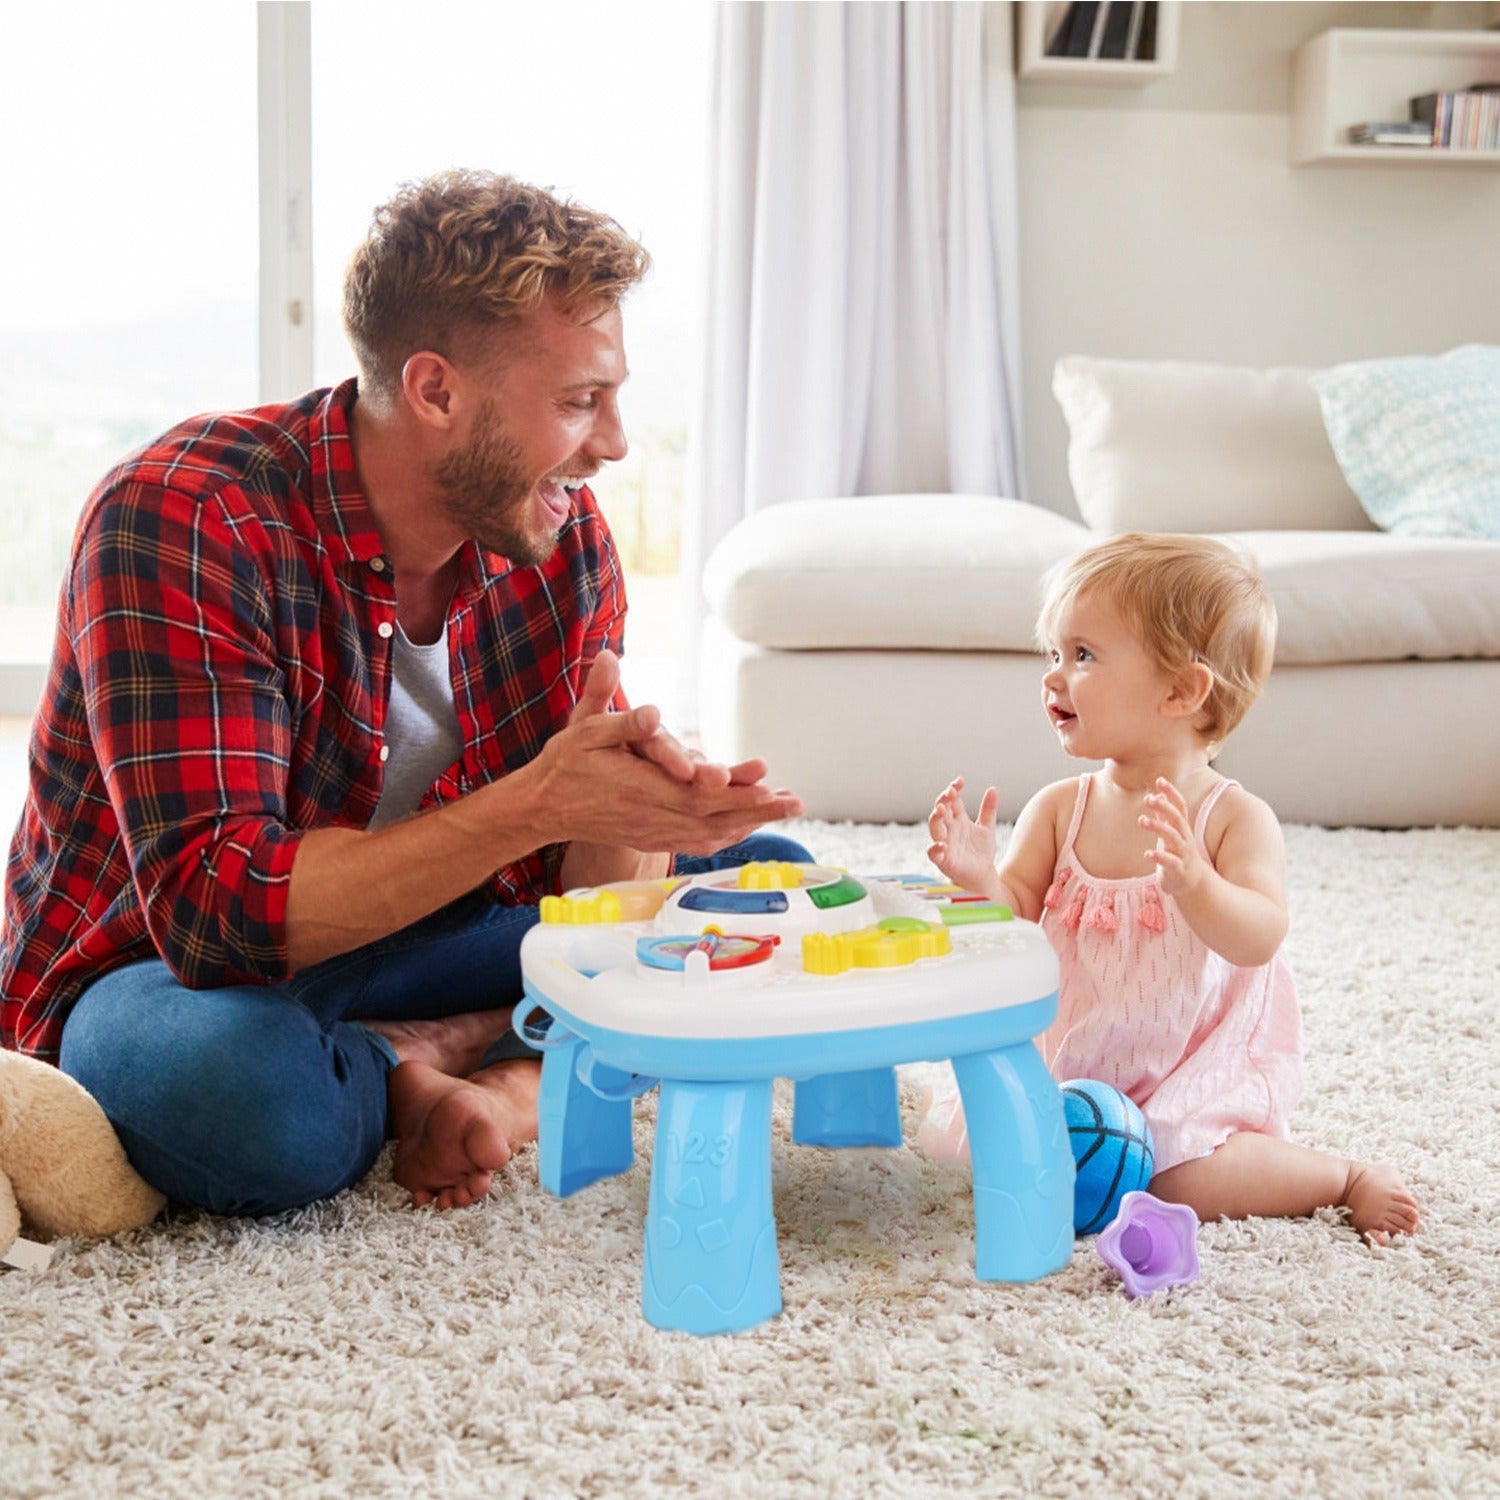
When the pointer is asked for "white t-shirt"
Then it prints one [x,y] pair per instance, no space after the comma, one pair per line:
[421,726]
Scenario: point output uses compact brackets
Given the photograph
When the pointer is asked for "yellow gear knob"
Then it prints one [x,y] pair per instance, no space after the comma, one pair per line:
[581,907]
[770,875]
[888,945]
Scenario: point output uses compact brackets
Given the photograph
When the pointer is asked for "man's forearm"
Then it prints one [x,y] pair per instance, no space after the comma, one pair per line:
[349,887]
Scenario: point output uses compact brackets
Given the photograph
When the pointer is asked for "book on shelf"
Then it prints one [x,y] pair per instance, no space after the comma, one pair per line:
[1055,32]
[1081,27]
[1465,119]
[1146,45]
[1117,29]
[1106,30]
[1391,133]
[1096,40]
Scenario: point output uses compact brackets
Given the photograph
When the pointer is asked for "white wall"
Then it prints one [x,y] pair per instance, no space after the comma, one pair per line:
[1166,222]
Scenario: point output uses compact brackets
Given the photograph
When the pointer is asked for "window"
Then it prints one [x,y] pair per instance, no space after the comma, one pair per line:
[129,295]
[605,103]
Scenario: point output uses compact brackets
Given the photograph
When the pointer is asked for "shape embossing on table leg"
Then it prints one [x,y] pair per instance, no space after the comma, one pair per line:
[710,1258]
[1023,1167]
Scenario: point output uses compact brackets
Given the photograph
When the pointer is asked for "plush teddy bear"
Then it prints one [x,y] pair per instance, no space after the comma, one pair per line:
[62,1168]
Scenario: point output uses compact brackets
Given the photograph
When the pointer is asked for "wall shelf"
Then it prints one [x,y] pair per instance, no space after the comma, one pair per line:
[1346,77]
[1035,20]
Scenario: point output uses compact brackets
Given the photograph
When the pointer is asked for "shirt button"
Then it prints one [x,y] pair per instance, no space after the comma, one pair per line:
[385,630]
[377,565]
[385,753]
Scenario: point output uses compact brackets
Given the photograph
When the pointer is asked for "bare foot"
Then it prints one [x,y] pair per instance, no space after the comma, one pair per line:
[454,1134]
[1380,1203]
[453,1044]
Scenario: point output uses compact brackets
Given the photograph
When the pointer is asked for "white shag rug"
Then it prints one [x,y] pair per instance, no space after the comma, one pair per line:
[359,1348]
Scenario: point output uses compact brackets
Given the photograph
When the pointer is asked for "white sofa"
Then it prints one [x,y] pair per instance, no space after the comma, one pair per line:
[872,648]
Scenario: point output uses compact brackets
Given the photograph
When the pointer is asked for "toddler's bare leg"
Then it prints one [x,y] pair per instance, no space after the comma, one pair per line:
[1253,1174]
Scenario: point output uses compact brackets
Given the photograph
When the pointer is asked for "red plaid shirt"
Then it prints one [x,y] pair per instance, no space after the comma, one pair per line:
[219,686]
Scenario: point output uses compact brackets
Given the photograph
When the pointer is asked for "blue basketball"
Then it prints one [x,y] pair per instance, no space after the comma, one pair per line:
[1112,1150]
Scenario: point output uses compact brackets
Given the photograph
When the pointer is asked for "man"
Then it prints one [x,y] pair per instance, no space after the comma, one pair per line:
[330,709]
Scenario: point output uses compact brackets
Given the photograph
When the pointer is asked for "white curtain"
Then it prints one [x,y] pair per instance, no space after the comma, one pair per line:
[861,334]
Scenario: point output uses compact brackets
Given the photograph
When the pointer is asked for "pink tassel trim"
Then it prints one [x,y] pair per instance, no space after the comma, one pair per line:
[1103,918]
[1151,916]
[1075,914]
[1055,890]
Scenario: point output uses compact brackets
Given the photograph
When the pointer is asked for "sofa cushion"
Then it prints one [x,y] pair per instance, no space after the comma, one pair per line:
[1345,596]
[923,572]
[1167,446]
[964,573]
[1418,439]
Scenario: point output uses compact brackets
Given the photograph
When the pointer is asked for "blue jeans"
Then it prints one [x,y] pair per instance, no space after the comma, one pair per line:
[259,1098]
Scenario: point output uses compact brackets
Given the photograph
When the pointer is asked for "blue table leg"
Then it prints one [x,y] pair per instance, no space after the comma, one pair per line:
[711,1263]
[1023,1166]
[848,1109]
[581,1138]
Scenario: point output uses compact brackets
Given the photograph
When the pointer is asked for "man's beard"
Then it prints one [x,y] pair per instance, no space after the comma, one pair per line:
[487,493]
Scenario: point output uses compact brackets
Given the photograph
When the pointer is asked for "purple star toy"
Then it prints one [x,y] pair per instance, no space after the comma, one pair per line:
[1151,1244]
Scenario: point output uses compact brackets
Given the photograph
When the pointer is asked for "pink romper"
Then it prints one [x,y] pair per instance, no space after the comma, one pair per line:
[1203,1047]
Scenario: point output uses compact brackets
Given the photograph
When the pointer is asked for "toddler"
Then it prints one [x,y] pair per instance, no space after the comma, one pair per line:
[1160,884]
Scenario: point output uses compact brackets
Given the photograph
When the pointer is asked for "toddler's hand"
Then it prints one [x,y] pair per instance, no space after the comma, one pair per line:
[963,849]
[1179,865]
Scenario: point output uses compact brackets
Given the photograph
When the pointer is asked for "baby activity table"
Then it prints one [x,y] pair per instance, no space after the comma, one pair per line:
[714,986]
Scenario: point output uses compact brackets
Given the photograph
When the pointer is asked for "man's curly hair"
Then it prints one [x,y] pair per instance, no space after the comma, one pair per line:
[455,259]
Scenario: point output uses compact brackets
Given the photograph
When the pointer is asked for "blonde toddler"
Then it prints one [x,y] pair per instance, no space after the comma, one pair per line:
[1161,884]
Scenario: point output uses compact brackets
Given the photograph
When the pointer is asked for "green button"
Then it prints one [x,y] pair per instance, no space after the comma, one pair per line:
[966,912]
[844,891]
